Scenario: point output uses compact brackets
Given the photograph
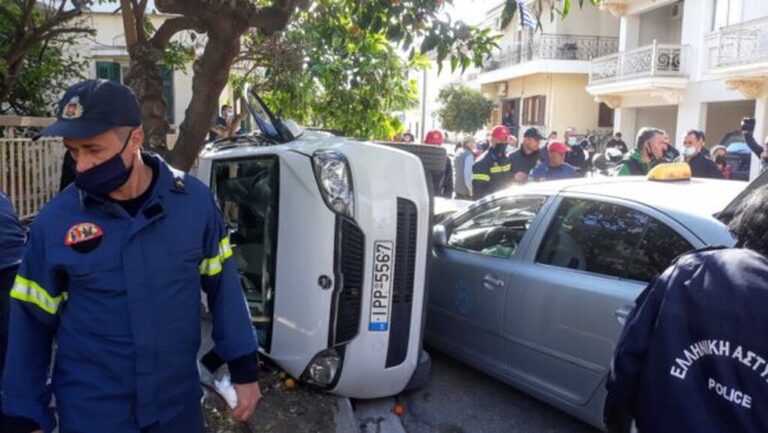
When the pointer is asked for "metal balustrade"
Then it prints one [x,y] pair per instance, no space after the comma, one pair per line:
[656,60]
[742,44]
[554,47]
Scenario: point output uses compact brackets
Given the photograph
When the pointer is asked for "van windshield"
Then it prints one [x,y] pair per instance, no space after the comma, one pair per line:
[247,193]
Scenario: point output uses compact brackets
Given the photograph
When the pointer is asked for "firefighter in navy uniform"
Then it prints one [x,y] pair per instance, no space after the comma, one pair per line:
[693,356]
[113,269]
[493,171]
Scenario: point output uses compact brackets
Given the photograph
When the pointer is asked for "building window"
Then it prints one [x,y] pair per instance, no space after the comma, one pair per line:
[533,110]
[605,116]
[725,13]
[108,71]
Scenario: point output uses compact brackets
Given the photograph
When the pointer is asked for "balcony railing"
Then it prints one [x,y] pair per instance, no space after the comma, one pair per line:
[743,43]
[656,60]
[554,47]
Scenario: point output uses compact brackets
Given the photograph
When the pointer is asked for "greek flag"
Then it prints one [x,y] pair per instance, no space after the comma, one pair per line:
[527,17]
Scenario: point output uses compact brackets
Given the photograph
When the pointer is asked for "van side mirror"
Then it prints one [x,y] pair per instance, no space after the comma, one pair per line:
[439,236]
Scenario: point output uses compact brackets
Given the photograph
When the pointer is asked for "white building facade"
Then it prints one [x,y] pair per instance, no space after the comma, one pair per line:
[690,64]
[538,77]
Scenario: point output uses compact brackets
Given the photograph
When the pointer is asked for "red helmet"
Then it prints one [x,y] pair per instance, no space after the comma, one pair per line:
[434,137]
[500,133]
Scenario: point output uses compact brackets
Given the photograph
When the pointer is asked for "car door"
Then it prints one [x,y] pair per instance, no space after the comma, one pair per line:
[470,275]
[567,303]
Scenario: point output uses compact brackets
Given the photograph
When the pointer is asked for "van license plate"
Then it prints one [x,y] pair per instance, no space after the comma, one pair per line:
[381,295]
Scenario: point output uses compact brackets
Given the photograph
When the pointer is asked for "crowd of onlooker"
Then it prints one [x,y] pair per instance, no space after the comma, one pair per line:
[481,167]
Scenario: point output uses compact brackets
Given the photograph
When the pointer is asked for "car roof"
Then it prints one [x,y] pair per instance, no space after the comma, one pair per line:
[694,202]
[698,196]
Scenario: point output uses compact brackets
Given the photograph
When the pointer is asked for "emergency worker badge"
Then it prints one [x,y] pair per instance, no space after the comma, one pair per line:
[73,109]
[84,237]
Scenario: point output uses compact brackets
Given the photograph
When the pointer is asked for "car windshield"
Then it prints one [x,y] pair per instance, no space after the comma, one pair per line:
[271,126]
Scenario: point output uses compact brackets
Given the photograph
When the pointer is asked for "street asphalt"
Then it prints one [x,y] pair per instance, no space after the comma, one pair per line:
[460,399]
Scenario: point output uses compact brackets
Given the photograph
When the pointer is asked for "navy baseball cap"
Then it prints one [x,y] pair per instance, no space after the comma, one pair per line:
[93,107]
[533,133]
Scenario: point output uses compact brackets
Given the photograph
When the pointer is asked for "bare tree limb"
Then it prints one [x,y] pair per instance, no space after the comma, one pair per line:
[172,26]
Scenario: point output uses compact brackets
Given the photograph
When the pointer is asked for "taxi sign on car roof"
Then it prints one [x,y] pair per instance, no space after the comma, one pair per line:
[670,172]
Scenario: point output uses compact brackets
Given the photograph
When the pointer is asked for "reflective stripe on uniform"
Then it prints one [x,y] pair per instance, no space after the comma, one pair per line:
[481,177]
[213,265]
[501,168]
[29,291]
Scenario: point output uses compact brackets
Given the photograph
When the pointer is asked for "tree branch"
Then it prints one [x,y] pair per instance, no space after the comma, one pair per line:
[274,18]
[172,26]
[138,19]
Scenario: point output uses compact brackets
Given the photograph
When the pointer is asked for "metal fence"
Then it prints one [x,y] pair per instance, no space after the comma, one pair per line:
[649,61]
[743,43]
[555,47]
[30,171]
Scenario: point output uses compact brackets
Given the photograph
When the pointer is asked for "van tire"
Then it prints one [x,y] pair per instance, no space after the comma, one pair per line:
[432,157]
[421,374]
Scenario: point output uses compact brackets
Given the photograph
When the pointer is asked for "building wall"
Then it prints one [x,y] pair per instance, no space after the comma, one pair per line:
[725,117]
[663,117]
[659,25]
[589,21]
[567,102]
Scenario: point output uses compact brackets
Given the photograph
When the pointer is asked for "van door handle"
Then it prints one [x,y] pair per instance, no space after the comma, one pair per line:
[623,313]
[491,282]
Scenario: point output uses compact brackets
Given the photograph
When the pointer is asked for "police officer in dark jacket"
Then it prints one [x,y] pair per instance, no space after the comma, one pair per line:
[697,157]
[693,356]
[12,239]
[493,171]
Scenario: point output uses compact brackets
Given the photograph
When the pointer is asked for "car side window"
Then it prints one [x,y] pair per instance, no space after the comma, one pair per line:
[498,229]
[609,239]
[659,247]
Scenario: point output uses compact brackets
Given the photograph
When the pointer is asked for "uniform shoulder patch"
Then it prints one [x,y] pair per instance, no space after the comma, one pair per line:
[82,232]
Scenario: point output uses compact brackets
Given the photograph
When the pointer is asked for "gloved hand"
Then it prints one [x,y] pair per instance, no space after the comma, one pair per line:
[748,124]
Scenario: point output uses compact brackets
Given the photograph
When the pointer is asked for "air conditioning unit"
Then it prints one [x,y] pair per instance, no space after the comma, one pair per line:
[503,89]
[677,11]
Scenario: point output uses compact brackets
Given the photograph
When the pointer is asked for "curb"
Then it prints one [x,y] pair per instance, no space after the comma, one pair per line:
[345,416]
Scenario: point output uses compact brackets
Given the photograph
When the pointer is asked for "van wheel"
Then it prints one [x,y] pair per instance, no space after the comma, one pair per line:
[421,375]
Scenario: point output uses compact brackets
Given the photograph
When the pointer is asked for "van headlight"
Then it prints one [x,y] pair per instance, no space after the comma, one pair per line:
[335,181]
[324,368]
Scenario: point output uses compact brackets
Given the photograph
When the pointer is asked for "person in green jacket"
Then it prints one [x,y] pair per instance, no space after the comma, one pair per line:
[649,148]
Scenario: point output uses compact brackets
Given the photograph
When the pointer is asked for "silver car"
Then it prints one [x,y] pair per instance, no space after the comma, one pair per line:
[533,285]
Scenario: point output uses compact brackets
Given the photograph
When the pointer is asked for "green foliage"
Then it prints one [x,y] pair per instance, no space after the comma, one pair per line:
[463,109]
[48,67]
[326,71]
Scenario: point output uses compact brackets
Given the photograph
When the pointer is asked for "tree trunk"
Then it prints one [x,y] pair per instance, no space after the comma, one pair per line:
[211,75]
[146,81]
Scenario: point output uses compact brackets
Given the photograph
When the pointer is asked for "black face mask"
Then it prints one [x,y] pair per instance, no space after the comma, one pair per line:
[500,147]
[106,177]
[720,159]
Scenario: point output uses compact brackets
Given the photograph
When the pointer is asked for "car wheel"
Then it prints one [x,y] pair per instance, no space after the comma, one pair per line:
[420,377]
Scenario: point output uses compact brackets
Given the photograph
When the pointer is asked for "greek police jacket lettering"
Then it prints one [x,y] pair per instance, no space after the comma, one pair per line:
[693,356]
[121,296]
